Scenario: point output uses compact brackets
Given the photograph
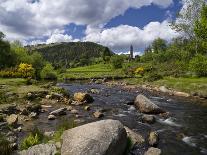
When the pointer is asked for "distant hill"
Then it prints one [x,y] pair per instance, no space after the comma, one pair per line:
[67,54]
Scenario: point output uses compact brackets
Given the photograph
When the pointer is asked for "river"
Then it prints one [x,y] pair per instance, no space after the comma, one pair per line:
[183,133]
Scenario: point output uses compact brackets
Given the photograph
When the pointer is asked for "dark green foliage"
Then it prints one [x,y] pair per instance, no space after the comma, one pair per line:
[71,54]
[129,146]
[5,147]
[34,138]
[117,61]
[152,76]
[199,65]
[7,56]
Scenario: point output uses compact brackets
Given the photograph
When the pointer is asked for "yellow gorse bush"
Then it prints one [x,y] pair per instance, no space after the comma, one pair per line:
[26,70]
[139,70]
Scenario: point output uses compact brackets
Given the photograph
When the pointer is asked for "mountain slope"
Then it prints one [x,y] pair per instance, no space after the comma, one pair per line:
[68,54]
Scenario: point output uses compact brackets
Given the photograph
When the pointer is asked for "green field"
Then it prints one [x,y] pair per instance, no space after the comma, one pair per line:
[93,71]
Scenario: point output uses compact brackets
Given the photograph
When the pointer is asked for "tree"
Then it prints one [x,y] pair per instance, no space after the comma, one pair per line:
[199,65]
[106,53]
[159,45]
[187,17]
[117,61]
[201,30]
[48,72]
[7,56]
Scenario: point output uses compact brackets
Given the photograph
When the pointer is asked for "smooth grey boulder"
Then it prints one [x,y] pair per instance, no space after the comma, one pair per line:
[106,137]
[144,105]
[41,149]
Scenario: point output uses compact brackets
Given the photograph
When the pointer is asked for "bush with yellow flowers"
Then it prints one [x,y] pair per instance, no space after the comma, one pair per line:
[140,71]
[26,70]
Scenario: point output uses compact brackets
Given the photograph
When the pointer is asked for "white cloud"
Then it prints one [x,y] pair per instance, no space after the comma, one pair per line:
[121,37]
[27,19]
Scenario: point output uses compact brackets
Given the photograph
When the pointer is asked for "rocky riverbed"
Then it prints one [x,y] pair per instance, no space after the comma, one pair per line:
[154,124]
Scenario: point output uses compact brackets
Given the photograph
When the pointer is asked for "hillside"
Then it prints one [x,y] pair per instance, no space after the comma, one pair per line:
[71,54]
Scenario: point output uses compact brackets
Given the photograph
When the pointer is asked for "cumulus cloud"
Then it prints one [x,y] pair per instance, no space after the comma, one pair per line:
[119,38]
[25,19]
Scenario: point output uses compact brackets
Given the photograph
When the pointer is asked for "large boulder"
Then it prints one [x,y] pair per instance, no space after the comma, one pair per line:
[83,97]
[144,105]
[106,137]
[41,149]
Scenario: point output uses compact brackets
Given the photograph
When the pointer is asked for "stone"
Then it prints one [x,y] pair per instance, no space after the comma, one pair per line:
[12,119]
[135,137]
[33,107]
[56,96]
[83,97]
[153,138]
[106,137]
[87,108]
[49,134]
[144,105]
[33,115]
[51,117]
[77,103]
[74,111]
[95,91]
[58,145]
[59,112]
[41,149]
[98,114]
[153,151]
[164,89]
[69,108]
[148,119]
[181,94]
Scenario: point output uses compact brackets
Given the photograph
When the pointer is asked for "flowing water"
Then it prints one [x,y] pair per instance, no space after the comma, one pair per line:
[183,133]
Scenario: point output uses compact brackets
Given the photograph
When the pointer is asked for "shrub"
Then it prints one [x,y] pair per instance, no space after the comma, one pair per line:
[150,77]
[117,61]
[199,65]
[140,71]
[26,70]
[48,72]
[34,138]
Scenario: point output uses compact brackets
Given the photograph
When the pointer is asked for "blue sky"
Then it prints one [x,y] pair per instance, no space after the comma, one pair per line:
[113,23]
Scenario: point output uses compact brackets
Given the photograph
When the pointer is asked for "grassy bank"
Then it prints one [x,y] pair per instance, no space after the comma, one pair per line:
[188,85]
[93,71]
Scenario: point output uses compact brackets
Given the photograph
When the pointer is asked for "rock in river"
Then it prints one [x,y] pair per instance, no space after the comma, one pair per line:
[144,105]
[12,119]
[83,97]
[58,112]
[153,138]
[41,149]
[153,151]
[148,119]
[106,137]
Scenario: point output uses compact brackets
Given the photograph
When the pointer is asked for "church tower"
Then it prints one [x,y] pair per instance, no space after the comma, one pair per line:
[131,52]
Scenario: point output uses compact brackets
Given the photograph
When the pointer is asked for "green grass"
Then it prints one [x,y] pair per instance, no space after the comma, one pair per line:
[93,71]
[188,85]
